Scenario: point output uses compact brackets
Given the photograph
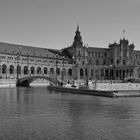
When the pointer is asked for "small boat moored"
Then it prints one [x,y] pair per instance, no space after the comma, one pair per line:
[81,90]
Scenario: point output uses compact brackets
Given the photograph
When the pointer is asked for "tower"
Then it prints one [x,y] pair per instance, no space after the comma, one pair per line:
[77,38]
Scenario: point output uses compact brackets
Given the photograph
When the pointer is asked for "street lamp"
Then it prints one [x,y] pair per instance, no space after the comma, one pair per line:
[56,69]
[28,71]
[63,70]
[73,71]
[18,58]
[87,75]
[111,73]
[17,66]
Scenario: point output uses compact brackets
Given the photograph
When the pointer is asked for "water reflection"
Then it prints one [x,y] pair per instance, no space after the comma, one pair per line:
[36,112]
[25,95]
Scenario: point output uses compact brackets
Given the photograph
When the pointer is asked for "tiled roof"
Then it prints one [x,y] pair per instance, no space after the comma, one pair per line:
[14,49]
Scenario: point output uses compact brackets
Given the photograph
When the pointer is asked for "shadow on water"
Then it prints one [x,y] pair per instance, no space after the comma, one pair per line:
[24,94]
[97,117]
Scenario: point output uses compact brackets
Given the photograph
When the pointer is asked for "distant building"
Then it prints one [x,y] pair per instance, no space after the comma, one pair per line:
[23,61]
[116,62]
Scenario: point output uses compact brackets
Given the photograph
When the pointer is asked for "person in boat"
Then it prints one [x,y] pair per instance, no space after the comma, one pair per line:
[61,84]
[51,84]
[73,85]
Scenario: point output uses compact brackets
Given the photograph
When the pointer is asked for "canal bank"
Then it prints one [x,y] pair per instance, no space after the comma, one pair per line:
[12,83]
[122,89]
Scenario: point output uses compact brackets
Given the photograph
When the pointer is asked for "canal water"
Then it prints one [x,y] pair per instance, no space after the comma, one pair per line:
[36,114]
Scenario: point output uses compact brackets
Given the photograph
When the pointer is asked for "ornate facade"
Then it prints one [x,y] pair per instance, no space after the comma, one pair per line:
[18,61]
[116,62]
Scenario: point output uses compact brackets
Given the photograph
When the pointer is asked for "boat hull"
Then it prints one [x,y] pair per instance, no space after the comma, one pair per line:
[82,91]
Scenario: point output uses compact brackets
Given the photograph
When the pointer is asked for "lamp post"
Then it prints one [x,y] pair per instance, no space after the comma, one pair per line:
[111,73]
[56,69]
[17,66]
[63,71]
[73,71]
[87,75]
[28,72]
[18,58]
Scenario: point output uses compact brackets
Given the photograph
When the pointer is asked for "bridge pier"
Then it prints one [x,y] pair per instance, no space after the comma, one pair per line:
[22,84]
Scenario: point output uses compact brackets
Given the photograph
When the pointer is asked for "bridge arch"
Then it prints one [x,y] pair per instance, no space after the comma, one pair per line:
[25,82]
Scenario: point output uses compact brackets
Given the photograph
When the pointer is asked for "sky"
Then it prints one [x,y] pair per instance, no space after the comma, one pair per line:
[52,23]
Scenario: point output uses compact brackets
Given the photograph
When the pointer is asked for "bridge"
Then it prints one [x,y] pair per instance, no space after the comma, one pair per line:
[25,81]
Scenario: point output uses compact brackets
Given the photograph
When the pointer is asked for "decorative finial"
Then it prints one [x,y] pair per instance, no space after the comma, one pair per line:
[123,33]
[77,26]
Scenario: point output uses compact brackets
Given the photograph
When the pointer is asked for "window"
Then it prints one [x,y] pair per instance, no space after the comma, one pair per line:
[39,70]
[99,54]
[105,54]
[70,72]
[95,54]
[118,61]
[111,61]
[102,72]
[45,70]
[97,62]
[51,70]
[32,70]
[11,69]
[85,72]
[104,62]
[81,72]
[4,69]
[18,69]
[124,62]
[25,70]
[58,71]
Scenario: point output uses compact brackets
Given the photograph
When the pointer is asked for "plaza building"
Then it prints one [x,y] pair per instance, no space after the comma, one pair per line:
[116,62]
[17,61]
[78,61]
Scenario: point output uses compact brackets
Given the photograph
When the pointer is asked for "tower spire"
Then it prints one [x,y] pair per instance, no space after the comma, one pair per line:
[123,33]
[77,26]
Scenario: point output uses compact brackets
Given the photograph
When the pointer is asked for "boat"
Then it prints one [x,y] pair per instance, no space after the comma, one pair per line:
[81,90]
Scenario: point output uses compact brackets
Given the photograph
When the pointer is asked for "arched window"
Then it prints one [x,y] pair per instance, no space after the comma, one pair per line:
[106,74]
[70,72]
[51,70]
[97,62]
[58,71]
[11,69]
[123,74]
[117,73]
[18,69]
[127,73]
[102,72]
[131,72]
[124,62]
[4,69]
[25,70]
[85,72]
[81,72]
[38,70]
[120,74]
[118,61]
[45,70]
[32,70]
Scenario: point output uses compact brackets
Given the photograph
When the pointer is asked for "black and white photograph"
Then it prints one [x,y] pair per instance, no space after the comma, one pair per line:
[69,69]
